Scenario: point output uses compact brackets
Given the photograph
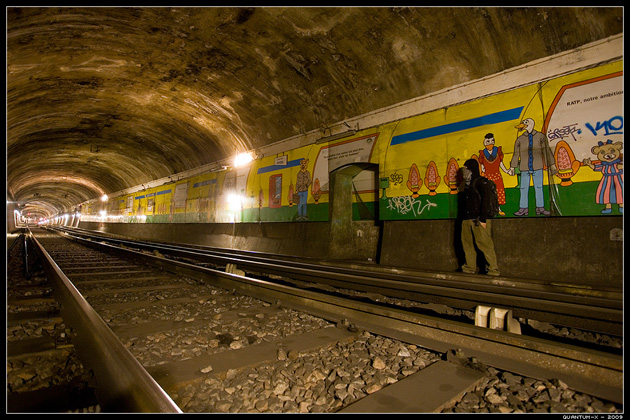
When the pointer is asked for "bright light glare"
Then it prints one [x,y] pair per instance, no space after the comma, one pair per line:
[104,198]
[234,202]
[103,214]
[243,159]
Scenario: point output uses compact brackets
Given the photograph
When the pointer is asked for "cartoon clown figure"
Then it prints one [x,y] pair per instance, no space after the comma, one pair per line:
[491,160]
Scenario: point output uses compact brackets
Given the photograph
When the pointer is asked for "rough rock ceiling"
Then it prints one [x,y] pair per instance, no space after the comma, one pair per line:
[104,99]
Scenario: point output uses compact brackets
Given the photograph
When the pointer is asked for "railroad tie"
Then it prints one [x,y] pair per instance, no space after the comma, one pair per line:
[427,391]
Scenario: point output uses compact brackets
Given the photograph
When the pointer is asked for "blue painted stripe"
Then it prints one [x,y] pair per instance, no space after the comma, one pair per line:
[203,183]
[163,192]
[272,168]
[497,117]
[139,197]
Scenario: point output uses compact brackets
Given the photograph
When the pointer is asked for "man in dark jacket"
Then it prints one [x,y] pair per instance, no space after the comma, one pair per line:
[476,223]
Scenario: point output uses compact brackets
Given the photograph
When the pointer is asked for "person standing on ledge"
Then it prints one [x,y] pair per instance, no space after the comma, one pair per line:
[476,220]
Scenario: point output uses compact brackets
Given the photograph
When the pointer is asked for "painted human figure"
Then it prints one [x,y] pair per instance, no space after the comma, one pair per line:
[140,211]
[610,188]
[531,155]
[491,160]
[171,210]
[302,184]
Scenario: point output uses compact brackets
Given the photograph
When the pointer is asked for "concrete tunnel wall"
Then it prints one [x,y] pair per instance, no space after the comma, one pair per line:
[545,249]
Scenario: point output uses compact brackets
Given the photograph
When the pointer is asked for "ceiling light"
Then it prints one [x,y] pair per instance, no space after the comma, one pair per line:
[243,159]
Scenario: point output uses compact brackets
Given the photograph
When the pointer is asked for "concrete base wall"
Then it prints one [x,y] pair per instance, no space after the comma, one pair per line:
[283,238]
[575,250]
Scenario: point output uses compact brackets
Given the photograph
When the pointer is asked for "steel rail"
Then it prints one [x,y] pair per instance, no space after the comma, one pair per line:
[606,297]
[594,372]
[123,385]
[601,296]
[559,304]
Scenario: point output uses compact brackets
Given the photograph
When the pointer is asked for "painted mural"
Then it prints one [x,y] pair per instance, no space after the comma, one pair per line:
[553,149]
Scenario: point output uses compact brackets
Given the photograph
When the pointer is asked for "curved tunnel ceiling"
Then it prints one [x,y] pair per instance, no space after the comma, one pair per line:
[103,99]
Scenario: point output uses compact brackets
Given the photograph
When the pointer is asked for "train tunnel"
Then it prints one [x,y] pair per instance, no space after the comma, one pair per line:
[355,120]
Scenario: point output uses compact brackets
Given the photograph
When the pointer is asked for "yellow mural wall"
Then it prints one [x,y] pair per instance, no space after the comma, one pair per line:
[418,159]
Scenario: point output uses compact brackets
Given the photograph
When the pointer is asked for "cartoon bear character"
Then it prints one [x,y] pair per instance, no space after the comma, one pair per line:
[610,189]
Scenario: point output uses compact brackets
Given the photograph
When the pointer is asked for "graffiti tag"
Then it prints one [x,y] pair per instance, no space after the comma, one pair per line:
[561,133]
[396,178]
[612,126]
[408,204]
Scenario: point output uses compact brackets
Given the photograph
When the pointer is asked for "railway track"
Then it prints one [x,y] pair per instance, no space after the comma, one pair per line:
[44,373]
[592,309]
[203,356]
